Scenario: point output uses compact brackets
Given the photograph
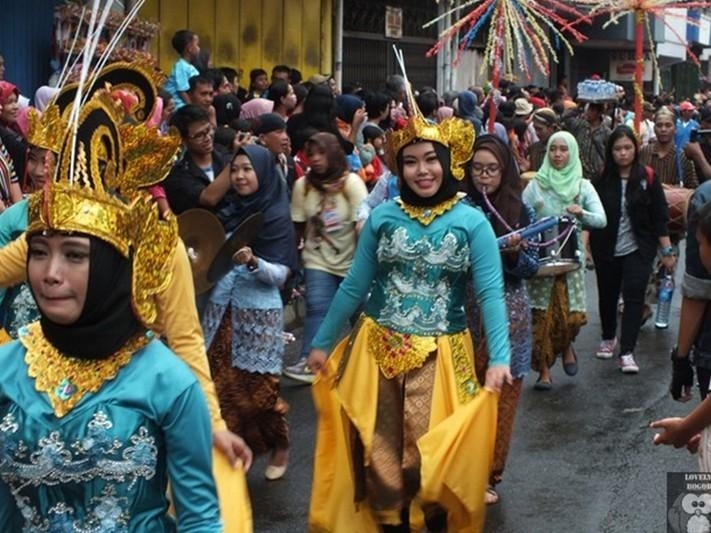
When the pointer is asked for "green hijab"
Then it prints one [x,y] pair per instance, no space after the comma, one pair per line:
[565,182]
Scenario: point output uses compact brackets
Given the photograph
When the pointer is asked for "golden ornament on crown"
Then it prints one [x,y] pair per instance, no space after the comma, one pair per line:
[454,133]
[104,165]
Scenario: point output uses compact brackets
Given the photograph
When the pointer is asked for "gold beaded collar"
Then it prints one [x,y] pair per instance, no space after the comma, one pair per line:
[66,380]
[425,215]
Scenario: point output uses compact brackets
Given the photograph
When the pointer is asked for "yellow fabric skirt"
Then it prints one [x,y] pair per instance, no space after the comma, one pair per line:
[235,507]
[456,453]
[232,493]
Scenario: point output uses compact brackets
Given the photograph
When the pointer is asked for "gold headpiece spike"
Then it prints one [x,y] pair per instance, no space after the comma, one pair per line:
[456,134]
[155,241]
[136,77]
[47,129]
[148,157]
[77,199]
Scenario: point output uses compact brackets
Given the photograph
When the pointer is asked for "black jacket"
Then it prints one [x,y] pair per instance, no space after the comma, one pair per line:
[186,181]
[646,207]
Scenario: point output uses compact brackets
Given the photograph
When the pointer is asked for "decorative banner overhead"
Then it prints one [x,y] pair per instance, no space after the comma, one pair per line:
[518,32]
[643,10]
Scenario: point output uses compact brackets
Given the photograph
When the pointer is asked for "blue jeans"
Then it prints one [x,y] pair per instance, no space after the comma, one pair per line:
[321,287]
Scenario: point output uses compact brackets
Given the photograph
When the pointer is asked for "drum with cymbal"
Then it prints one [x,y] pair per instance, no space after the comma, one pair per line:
[203,236]
[558,251]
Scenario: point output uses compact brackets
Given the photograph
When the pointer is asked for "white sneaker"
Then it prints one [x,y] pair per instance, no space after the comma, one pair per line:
[606,349]
[628,364]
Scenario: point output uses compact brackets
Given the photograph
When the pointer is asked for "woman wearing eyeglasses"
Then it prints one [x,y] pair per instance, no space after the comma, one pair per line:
[558,301]
[495,185]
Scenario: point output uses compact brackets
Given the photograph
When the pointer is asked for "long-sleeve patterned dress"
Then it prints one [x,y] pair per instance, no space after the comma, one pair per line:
[95,453]
[558,302]
[403,387]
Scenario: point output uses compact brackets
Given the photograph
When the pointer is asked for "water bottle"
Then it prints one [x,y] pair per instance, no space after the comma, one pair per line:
[664,298]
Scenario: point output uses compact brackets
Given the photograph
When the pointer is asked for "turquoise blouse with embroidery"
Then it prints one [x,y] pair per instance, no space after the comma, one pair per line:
[104,466]
[417,275]
[17,305]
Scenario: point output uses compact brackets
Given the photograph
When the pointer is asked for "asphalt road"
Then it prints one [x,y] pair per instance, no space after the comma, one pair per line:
[582,458]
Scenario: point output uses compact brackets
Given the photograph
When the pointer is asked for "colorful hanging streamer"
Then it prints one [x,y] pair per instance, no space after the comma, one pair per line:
[643,10]
[519,32]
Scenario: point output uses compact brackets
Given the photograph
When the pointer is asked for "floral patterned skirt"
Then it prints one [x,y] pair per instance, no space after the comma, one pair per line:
[250,402]
[555,327]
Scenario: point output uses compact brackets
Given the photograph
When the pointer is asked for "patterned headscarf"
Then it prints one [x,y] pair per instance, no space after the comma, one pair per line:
[564,182]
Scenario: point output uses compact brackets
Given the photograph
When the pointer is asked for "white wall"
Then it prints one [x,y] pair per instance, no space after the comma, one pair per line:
[672,47]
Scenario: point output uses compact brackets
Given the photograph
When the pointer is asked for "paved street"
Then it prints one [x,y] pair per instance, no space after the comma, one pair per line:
[581,458]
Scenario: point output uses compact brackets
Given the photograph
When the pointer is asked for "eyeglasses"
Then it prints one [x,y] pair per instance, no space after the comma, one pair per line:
[489,169]
[203,135]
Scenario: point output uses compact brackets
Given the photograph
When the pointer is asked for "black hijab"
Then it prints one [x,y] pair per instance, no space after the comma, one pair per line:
[276,242]
[107,320]
[507,198]
[449,187]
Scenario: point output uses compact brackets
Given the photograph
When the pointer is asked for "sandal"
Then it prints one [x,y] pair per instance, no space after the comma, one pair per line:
[491,497]
[543,385]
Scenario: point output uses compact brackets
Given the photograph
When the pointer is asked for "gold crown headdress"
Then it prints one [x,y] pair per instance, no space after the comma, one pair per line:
[454,133]
[104,163]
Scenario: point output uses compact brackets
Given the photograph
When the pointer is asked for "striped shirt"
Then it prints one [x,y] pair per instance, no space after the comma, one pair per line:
[7,173]
[667,168]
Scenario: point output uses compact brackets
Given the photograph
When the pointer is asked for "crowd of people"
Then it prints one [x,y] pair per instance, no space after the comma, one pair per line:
[403,217]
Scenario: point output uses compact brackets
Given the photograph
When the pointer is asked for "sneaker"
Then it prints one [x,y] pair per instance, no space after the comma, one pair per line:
[606,349]
[300,372]
[628,364]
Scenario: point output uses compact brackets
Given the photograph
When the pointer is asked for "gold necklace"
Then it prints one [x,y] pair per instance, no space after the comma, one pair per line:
[66,380]
[425,215]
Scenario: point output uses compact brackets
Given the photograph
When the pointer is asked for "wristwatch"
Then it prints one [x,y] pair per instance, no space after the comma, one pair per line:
[667,251]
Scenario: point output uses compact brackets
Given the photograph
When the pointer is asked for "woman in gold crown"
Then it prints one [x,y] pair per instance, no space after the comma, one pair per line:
[147,157]
[406,431]
[96,413]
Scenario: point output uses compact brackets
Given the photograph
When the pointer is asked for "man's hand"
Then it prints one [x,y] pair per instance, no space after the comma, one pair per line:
[233,447]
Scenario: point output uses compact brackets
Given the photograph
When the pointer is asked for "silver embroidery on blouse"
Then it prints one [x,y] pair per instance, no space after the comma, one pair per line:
[422,288]
[412,301]
[450,254]
[107,513]
[8,425]
[97,455]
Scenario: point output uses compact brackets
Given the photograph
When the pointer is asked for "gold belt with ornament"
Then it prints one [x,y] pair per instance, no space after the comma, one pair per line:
[396,353]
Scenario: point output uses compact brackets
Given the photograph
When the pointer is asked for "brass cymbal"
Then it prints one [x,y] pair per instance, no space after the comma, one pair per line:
[244,234]
[203,235]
